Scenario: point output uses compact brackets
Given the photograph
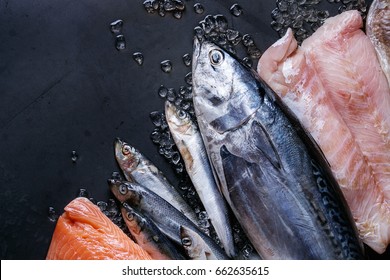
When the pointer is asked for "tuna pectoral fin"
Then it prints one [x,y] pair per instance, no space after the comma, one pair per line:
[247,187]
[263,143]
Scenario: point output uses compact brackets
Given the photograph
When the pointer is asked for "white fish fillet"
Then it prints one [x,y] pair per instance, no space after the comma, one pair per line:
[335,86]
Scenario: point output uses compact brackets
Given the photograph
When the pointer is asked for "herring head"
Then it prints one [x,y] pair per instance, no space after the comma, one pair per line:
[222,86]
[178,120]
[127,156]
[132,219]
[125,191]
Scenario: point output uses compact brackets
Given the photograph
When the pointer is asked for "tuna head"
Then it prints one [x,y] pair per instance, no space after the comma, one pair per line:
[125,191]
[127,156]
[222,84]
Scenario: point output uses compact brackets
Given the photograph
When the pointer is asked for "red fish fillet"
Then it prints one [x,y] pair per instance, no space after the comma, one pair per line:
[335,86]
[83,232]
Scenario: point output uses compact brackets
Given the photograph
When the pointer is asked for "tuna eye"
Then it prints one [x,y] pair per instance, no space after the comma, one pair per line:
[123,189]
[186,241]
[126,150]
[182,114]
[216,57]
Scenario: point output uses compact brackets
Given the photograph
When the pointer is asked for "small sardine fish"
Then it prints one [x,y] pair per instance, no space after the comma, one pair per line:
[163,214]
[195,246]
[190,144]
[378,30]
[136,167]
[272,174]
[148,235]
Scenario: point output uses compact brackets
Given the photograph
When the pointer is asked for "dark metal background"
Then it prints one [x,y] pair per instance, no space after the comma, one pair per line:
[64,87]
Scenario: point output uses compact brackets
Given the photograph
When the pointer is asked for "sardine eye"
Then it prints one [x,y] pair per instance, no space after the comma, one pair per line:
[186,241]
[216,57]
[126,150]
[182,114]
[123,189]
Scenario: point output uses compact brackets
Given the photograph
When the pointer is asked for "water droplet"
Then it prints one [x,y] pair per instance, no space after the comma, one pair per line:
[162,91]
[254,52]
[156,118]
[74,156]
[161,11]
[138,57]
[221,23]
[178,101]
[102,205]
[155,135]
[188,78]
[232,34]
[171,95]
[204,224]
[82,193]
[203,215]
[166,66]
[177,14]
[161,150]
[169,6]
[236,10]
[247,61]
[322,15]
[187,59]
[52,215]
[116,26]
[247,40]
[175,158]
[199,33]
[293,9]
[179,5]
[149,6]
[276,26]
[179,168]
[186,105]
[198,8]
[120,42]
[116,175]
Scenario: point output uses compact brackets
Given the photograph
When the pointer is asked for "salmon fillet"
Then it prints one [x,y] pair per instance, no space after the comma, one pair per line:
[83,232]
[335,87]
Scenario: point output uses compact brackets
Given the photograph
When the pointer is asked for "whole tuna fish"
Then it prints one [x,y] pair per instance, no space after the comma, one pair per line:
[190,144]
[272,175]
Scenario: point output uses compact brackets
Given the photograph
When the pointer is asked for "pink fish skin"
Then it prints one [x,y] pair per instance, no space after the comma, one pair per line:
[336,88]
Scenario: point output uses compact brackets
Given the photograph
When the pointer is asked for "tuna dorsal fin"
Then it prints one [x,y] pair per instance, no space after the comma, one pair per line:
[263,143]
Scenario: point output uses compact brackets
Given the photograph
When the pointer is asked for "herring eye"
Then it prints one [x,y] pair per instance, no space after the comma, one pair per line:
[182,114]
[216,57]
[123,189]
[126,150]
[186,241]
[130,216]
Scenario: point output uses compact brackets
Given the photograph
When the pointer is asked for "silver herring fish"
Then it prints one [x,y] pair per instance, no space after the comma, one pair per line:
[136,167]
[190,144]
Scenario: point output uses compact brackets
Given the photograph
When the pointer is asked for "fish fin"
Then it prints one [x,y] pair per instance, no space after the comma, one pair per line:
[263,143]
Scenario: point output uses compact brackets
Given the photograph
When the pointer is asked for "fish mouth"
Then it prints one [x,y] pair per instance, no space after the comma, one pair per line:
[196,52]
